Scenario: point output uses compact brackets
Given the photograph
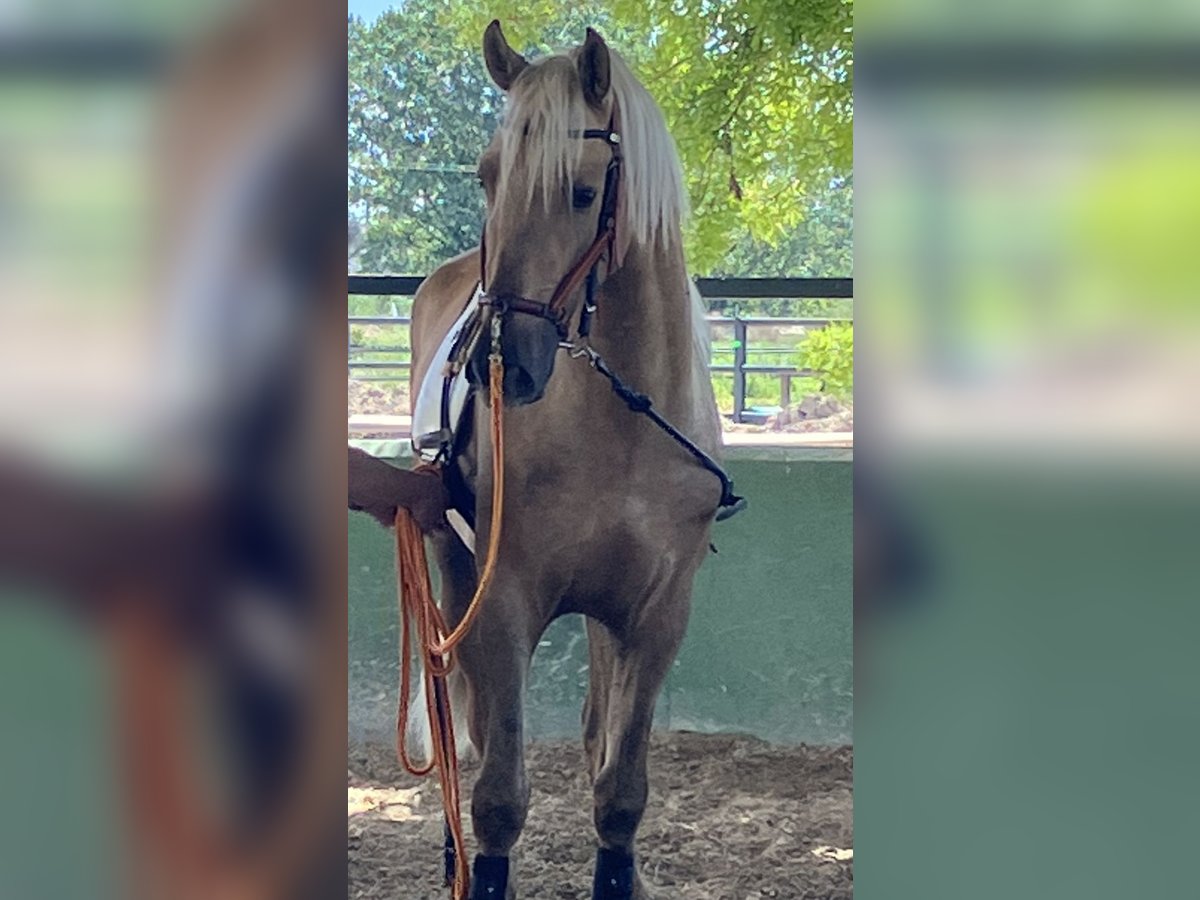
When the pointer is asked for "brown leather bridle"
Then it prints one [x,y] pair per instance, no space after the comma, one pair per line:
[555,309]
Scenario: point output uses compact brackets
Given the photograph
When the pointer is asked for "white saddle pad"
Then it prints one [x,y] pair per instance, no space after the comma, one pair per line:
[427,407]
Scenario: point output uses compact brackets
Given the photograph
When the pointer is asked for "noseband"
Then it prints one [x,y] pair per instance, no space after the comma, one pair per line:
[555,309]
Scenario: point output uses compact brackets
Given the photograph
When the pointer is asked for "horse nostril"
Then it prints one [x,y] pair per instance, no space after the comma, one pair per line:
[524,384]
[519,386]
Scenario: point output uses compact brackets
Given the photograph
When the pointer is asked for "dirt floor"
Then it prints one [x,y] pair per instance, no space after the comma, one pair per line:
[730,818]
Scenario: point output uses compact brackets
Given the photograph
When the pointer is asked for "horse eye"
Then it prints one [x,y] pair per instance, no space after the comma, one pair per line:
[584,197]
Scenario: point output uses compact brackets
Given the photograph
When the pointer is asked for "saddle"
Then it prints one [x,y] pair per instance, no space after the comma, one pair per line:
[439,407]
[442,396]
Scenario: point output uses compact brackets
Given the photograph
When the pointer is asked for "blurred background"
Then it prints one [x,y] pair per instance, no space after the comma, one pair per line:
[1027,199]
[172,643]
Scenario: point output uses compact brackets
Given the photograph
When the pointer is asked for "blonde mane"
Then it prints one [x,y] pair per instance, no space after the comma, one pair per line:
[539,140]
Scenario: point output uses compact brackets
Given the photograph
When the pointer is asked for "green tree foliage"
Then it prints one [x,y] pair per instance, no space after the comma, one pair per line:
[757,94]
[818,247]
[421,108]
[829,352]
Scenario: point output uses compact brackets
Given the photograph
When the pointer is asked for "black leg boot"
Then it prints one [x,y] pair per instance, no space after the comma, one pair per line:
[489,878]
[614,875]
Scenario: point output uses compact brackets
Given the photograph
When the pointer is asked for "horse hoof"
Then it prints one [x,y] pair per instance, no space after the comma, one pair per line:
[489,878]
[615,877]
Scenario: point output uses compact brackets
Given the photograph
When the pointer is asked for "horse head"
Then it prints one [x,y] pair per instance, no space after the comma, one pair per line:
[551,176]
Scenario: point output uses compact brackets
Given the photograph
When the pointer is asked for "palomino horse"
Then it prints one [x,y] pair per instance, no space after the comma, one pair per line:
[607,516]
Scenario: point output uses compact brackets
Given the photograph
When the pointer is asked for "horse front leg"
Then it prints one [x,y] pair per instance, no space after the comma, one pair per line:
[495,659]
[595,705]
[638,660]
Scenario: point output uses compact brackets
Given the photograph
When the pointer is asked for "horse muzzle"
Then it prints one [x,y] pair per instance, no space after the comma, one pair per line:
[528,346]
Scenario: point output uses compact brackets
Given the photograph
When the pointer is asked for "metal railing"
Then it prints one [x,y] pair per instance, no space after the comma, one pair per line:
[710,288]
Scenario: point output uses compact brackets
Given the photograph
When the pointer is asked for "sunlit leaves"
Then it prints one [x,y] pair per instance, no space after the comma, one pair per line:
[757,94]
[420,110]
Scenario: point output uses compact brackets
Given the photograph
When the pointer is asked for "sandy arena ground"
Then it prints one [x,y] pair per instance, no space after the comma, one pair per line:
[730,818]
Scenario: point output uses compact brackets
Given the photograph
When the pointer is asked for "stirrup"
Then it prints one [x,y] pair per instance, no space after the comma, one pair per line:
[614,877]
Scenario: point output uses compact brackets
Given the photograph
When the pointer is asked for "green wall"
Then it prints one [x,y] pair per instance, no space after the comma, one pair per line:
[769,646]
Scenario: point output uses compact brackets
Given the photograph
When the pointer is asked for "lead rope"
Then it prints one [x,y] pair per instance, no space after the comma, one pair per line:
[419,612]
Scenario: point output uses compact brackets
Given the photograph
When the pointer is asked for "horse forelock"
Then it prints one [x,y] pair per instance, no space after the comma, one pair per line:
[545,106]
[539,147]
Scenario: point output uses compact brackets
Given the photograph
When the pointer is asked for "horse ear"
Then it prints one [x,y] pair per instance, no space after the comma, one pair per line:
[504,64]
[594,69]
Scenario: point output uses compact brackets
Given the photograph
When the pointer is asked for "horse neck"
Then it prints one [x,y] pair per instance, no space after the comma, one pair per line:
[643,326]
